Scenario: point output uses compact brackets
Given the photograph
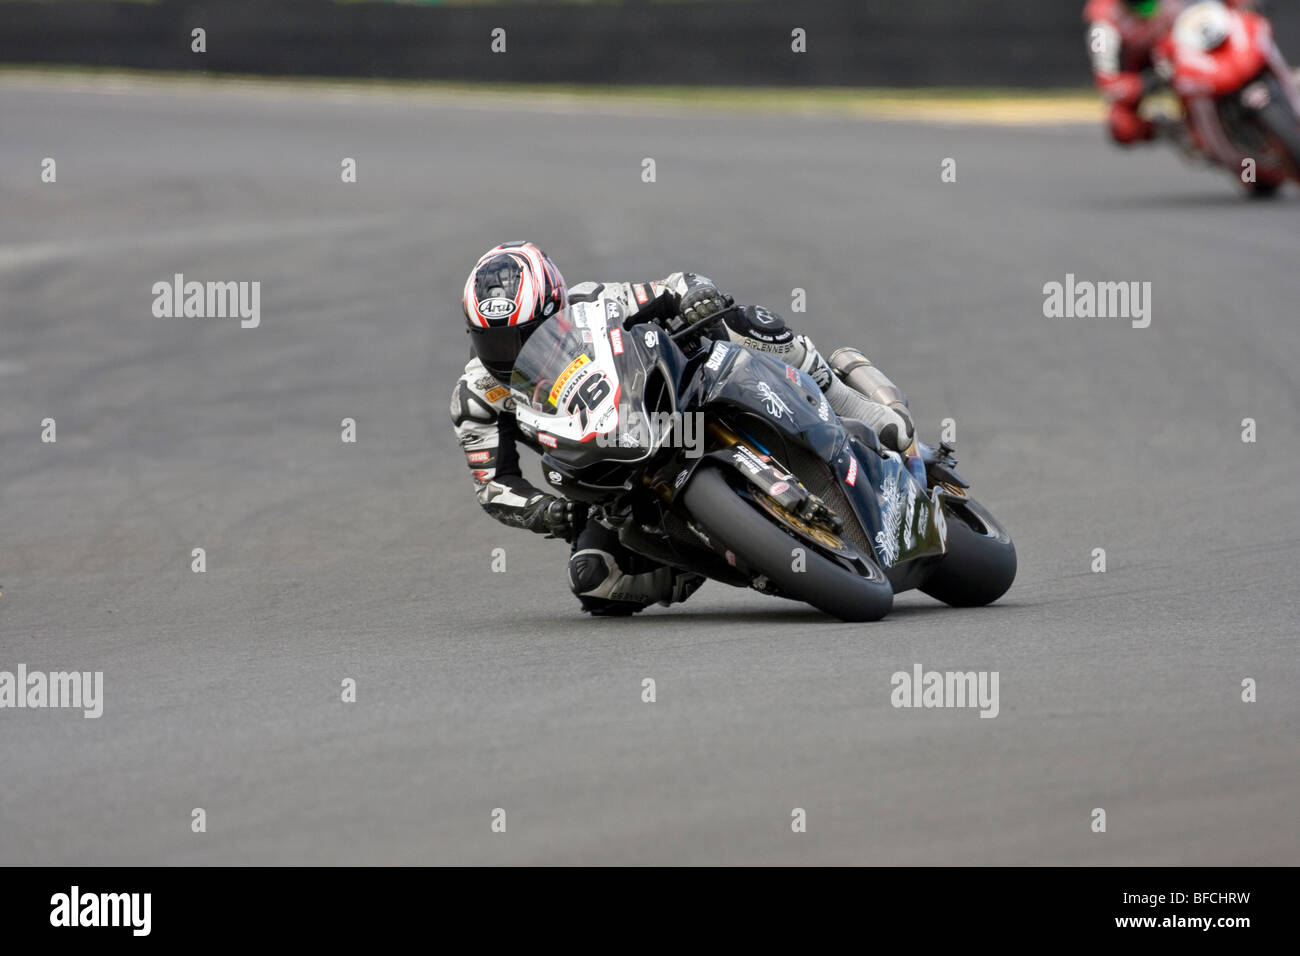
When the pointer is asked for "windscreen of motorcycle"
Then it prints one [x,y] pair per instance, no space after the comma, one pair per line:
[569,378]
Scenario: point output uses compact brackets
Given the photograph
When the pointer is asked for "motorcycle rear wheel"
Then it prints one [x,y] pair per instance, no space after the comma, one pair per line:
[980,563]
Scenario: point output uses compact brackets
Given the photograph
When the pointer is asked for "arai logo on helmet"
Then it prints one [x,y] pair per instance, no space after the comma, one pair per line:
[497,307]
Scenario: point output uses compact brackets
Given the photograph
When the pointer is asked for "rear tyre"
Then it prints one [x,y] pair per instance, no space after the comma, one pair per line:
[980,563]
[765,547]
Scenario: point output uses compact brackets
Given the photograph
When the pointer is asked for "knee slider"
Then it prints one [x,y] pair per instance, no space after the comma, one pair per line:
[897,431]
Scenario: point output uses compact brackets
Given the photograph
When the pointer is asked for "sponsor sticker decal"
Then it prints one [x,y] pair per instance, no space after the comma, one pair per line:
[547,440]
[567,374]
[775,405]
[496,394]
[894,505]
[746,459]
[715,361]
[940,523]
[616,340]
[604,417]
[478,457]
[779,488]
[852,479]
[497,307]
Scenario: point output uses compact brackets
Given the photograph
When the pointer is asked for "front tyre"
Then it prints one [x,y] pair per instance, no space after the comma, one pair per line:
[1278,119]
[766,548]
[980,562]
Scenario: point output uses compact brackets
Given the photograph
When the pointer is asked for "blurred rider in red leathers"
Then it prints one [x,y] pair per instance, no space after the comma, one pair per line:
[1121,37]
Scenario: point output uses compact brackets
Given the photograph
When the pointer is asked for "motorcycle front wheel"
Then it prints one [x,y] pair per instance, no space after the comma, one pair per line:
[766,547]
[1279,120]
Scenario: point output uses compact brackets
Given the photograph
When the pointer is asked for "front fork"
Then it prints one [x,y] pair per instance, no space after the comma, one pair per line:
[735,452]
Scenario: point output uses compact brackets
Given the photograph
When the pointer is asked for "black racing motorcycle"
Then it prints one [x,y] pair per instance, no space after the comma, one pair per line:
[717,459]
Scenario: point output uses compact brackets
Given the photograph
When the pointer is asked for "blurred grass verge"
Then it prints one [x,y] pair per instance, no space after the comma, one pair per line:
[952,105]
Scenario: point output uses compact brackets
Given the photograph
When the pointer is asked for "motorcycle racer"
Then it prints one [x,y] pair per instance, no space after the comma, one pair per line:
[513,288]
[1122,34]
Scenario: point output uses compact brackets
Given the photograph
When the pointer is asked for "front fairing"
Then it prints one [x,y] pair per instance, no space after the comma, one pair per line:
[580,381]
[581,387]
[904,520]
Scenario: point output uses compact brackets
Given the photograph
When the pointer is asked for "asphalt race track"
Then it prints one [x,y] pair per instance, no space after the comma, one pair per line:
[478,690]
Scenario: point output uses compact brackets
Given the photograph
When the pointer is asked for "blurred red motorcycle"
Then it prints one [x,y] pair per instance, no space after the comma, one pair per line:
[1239,98]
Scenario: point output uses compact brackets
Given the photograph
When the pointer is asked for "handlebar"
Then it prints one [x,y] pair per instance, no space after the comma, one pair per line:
[694,328]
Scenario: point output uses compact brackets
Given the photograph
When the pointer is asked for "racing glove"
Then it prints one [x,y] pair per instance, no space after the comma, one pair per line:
[700,300]
[556,517]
